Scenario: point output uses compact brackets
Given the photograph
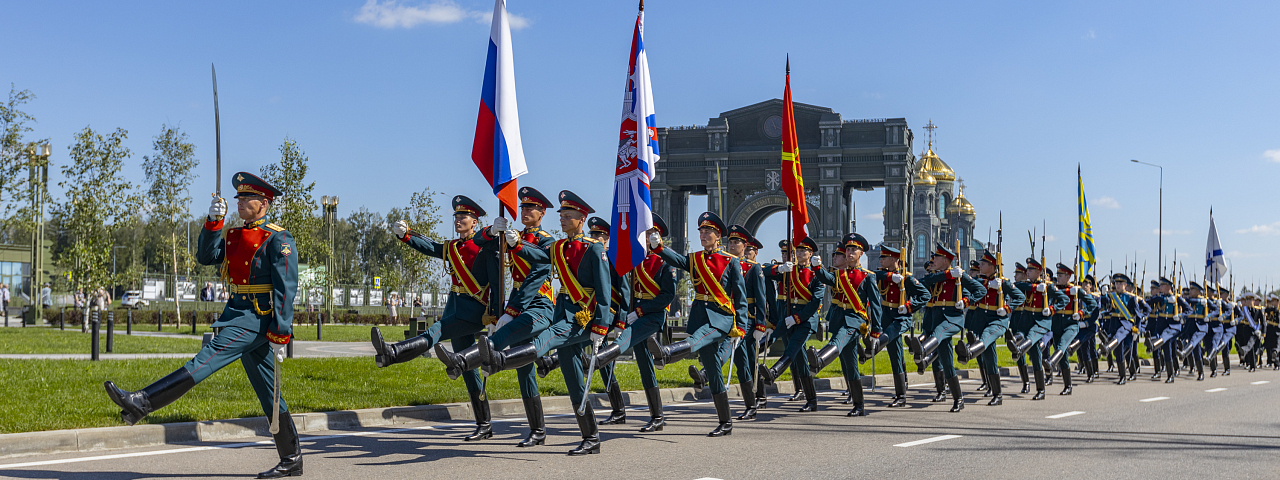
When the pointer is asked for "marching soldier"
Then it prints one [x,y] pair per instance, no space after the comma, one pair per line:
[1122,309]
[1066,324]
[1088,352]
[260,263]
[1017,322]
[1229,317]
[1272,338]
[1001,299]
[471,269]
[743,245]
[951,291]
[1169,309]
[1043,298]
[653,287]
[800,317]
[719,310]
[620,299]
[1196,327]
[528,310]
[1248,336]
[1215,333]
[856,306]
[776,292]
[901,295]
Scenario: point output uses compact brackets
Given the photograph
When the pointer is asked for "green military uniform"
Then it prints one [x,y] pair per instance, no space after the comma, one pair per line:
[619,303]
[951,294]
[798,322]
[1037,319]
[901,295]
[855,306]
[991,322]
[260,263]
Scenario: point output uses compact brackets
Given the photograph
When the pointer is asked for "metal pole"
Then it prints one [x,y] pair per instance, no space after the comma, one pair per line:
[93,344]
[129,323]
[111,329]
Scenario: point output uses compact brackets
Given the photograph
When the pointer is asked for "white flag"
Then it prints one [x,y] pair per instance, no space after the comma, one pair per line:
[1215,265]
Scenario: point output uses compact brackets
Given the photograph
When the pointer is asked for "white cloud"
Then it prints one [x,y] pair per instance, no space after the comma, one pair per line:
[1090,35]
[1107,202]
[1156,231]
[1273,155]
[1269,229]
[391,14]
[874,216]
[1050,238]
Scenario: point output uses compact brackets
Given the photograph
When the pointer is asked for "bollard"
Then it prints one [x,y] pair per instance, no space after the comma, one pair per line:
[93,352]
[288,351]
[111,329]
[193,323]
[159,320]
[62,322]
[128,323]
[319,321]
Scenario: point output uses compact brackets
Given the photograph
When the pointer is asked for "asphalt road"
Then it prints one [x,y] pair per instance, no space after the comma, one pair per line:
[1222,427]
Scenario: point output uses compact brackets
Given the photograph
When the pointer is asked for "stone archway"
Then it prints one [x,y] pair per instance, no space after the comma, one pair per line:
[752,211]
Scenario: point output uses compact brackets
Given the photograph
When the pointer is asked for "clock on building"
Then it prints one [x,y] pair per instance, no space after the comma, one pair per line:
[773,127]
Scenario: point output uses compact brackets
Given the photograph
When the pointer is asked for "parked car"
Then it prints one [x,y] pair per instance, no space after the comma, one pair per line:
[132,299]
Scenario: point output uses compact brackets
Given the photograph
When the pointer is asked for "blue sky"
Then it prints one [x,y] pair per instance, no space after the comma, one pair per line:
[382,96]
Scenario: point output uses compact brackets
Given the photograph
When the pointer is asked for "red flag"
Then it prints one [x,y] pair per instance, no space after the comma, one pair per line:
[792,178]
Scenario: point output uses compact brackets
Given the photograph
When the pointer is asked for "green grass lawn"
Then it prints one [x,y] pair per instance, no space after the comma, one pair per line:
[31,340]
[332,333]
[73,388]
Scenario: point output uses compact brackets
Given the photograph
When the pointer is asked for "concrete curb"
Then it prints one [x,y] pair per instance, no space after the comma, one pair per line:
[255,428]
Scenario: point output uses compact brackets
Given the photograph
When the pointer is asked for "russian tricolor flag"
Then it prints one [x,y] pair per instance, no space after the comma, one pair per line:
[497,150]
[637,154]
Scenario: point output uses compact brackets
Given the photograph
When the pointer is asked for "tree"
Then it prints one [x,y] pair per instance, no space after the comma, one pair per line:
[169,176]
[423,216]
[296,208]
[15,192]
[97,200]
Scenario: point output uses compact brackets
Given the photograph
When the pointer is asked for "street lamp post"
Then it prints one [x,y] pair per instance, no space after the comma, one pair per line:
[330,208]
[39,176]
[1160,231]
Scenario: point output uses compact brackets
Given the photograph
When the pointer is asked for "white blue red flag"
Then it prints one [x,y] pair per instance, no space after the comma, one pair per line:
[637,154]
[497,150]
[1215,264]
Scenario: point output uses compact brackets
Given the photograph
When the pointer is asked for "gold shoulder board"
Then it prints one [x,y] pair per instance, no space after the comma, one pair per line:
[273,227]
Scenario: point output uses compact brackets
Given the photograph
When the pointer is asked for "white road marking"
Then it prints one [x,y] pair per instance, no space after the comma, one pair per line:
[707,478]
[1153,399]
[1260,382]
[1065,415]
[1212,390]
[969,381]
[918,385]
[927,440]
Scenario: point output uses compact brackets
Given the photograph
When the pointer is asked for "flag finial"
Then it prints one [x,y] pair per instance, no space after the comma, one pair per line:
[788,64]
[641,5]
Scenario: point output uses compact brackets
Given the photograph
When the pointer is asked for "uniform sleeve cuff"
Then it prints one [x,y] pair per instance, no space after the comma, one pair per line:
[599,329]
[213,225]
[278,339]
[516,248]
[405,238]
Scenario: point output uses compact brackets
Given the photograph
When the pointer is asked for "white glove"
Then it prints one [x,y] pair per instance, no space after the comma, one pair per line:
[1041,288]
[768,332]
[499,224]
[1000,312]
[785,268]
[278,348]
[815,261]
[596,339]
[217,209]
[955,272]
[631,317]
[1075,316]
[759,335]
[896,278]
[506,318]
[994,283]
[513,238]
[400,228]
[654,240]
[792,321]
[1075,290]
[902,310]
[960,304]
[1046,312]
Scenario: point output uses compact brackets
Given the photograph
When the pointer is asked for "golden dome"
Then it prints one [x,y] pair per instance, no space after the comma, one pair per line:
[961,206]
[936,167]
[923,178]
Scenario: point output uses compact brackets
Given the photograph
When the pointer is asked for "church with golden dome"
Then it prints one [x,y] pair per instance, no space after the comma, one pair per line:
[940,213]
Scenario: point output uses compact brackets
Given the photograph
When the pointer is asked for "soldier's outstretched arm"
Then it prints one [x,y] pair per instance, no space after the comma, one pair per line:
[916,293]
[209,247]
[283,255]
[421,243]
[673,258]
[825,276]
[1089,304]
[1059,299]
[870,291]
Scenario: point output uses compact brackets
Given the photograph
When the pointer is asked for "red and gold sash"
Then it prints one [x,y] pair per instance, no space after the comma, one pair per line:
[848,282]
[643,283]
[710,280]
[582,296]
[800,292]
[461,272]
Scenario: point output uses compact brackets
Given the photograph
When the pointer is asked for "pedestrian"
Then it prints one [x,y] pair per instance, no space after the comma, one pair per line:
[392,302]
[4,301]
[256,324]
[206,295]
[417,306]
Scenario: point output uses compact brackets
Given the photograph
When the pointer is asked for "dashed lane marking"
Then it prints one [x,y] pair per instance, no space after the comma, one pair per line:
[1260,382]
[1065,415]
[1212,390]
[927,440]
[1153,399]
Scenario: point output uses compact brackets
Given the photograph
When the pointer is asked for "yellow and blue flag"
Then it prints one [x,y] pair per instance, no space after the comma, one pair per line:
[1087,258]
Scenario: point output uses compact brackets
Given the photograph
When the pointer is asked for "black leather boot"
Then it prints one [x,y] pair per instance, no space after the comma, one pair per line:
[798,392]
[859,404]
[619,414]
[1039,373]
[1026,382]
[656,421]
[982,372]
[1124,379]
[387,355]
[455,364]
[748,401]
[510,359]
[761,399]
[547,363]
[957,403]
[1021,345]
[810,395]
[770,374]
[996,397]
[939,386]
[970,349]
[607,353]
[1106,348]
[899,391]
[136,405]
[1226,359]
[484,427]
[664,354]
[537,422]
[1066,382]
[819,359]
[725,428]
[1056,361]
[928,346]
[590,432]
[1199,361]
[1213,365]
[698,375]
[289,448]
